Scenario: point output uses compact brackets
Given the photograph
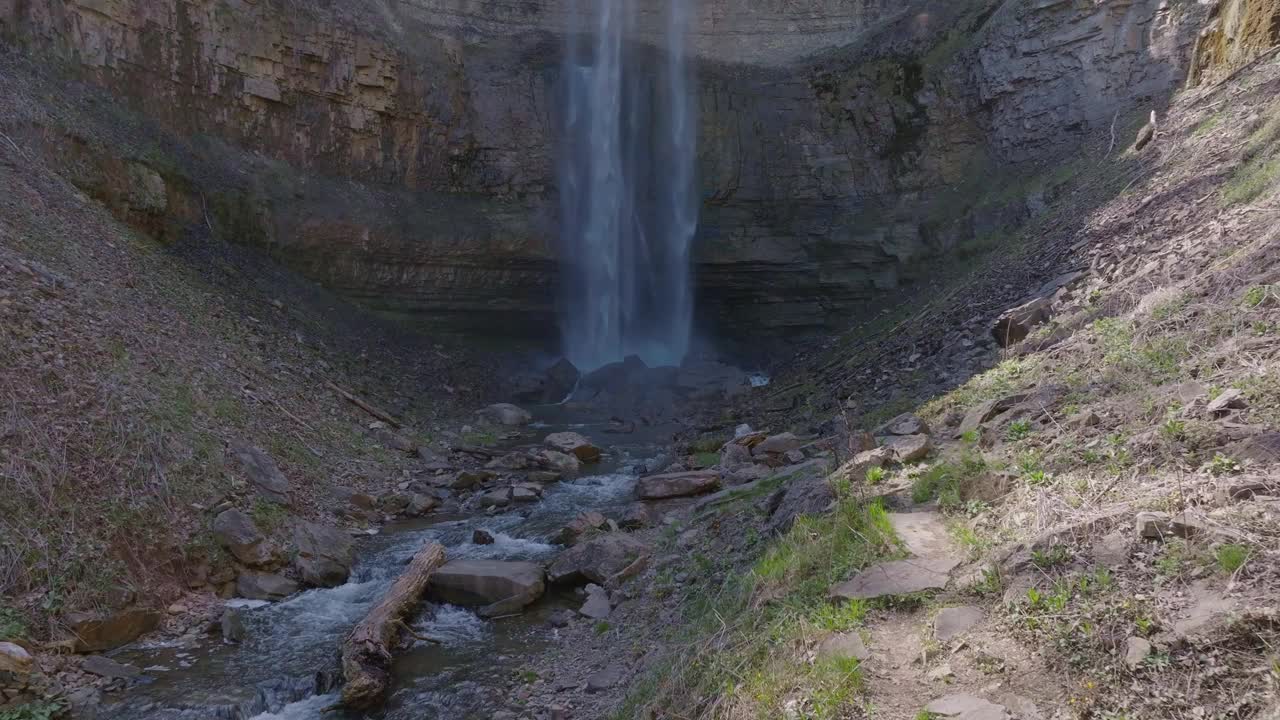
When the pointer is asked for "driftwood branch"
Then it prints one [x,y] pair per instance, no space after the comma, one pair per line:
[373,410]
[366,653]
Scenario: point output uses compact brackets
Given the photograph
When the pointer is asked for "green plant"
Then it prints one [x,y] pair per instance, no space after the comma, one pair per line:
[1173,560]
[602,627]
[1052,557]
[1223,465]
[1256,295]
[1018,430]
[12,624]
[970,437]
[1038,478]
[875,475]
[267,515]
[1173,429]
[42,710]
[705,460]
[1231,557]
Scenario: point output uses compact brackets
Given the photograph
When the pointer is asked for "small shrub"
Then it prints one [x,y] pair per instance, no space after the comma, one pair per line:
[12,624]
[1173,429]
[1231,557]
[44,710]
[970,437]
[1256,295]
[875,475]
[267,515]
[1053,557]
[601,627]
[1223,465]
[705,460]
[1018,430]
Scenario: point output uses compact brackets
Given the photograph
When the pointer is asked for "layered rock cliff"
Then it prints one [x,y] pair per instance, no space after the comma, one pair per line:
[402,153]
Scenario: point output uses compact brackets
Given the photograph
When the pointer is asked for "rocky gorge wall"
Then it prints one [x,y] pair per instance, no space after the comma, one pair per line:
[402,153]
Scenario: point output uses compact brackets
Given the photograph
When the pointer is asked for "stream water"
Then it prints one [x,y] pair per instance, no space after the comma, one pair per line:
[287,665]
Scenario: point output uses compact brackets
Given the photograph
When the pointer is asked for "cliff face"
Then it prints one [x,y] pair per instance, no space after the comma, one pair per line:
[403,152]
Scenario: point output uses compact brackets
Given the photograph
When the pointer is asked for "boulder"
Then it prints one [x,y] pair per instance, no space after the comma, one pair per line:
[107,668]
[985,411]
[1228,400]
[579,527]
[394,502]
[802,496]
[325,554]
[733,455]
[561,379]
[1015,324]
[525,493]
[466,479]
[421,504]
[680,484]
[574,444]
[237,532]
[261,471]
[506,414]
[395,440]
[482,537]
[487,582]
[904,424]
[855,470]
[108,630]
[908,448]
[597,606]
[14,659]
[636,516]
[777,445]
[597,560]
[264,586]
[556,461]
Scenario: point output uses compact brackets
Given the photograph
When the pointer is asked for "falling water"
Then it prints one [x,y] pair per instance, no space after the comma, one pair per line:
[628,203]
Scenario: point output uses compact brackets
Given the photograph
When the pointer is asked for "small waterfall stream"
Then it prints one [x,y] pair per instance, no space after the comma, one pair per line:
[629,207]
[287,667]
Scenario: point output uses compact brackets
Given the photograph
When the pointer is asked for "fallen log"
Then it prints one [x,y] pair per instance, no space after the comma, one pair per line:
[373,410]
[366,653]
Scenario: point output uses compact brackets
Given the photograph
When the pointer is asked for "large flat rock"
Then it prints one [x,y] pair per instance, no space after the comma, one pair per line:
[900,577]
[681,484]
[486,582]
[966,707]
[598,559]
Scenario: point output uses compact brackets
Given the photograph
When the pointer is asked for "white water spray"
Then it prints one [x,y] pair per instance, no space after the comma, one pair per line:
[629,208]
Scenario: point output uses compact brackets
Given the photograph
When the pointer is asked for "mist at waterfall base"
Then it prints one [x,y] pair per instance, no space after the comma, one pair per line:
[629,207]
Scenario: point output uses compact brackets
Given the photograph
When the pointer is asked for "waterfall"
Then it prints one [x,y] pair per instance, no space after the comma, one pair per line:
[629,208]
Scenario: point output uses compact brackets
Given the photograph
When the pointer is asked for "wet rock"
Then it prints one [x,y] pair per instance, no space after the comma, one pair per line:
[560,618]
[466,479]
[556,461]
[325,554]
[580,527]
[232,625]
[506,414]
[15,659]
[496,498]
[486,582]
[551,386]
[679,484]
[598,559]
[962,706]
[1230,399]
[394,503]
[955,621]
[481,537]
[108,668]
[574,444]
[237,532]
[597,606]
[108,630]
[84,703]
[606,678]
[1136,650]
[899,577]
[909,448]
[420,504]
[264,586]
[844,645]
[261,471]
[525,493]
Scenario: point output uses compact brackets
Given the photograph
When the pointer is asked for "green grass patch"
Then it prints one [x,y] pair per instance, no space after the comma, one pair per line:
[12,625]
[705,460]
[1231,557]
[740,652]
